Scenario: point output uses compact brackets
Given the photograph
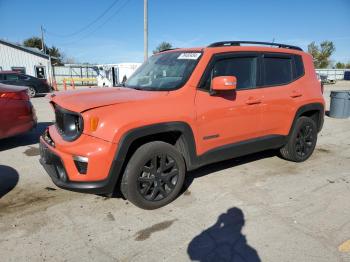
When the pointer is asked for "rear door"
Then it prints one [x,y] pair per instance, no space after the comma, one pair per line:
[232,116]
[281,92]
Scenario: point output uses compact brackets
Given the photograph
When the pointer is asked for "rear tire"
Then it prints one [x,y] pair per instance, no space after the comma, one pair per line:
[302,140]
[154,175]
[31,92]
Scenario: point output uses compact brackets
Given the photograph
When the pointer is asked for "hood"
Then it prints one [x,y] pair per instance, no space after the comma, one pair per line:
[8,88]
[82,100]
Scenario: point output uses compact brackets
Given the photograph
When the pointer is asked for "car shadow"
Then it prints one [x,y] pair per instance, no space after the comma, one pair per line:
[212,168]
[29,138]
[207,170]
[8,179]
[223,241]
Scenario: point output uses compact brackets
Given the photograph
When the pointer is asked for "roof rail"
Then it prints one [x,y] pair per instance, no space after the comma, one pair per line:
[168,49]
[238,43]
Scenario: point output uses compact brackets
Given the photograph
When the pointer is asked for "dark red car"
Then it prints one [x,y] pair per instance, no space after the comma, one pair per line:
[17,114]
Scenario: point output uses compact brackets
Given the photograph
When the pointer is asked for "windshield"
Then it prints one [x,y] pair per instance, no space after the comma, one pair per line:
[164,72]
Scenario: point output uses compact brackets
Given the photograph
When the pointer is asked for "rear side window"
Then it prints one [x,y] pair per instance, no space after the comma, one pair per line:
[277,70]
[243,68]
[11,77]
[299,66]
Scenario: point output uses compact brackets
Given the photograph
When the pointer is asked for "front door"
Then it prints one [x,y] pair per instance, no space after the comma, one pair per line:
[231,116]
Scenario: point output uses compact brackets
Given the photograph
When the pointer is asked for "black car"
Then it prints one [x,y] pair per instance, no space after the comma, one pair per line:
[35,85]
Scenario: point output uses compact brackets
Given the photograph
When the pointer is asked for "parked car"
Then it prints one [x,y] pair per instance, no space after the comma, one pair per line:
[182,109]
[35,85]
[17,113]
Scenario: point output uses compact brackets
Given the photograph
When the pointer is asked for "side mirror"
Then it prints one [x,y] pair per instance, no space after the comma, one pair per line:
[224,83]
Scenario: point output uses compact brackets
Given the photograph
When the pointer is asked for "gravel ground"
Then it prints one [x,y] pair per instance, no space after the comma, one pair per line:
[254,208]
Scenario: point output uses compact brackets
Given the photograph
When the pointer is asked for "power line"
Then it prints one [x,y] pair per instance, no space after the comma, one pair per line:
[88,25]
[97,28]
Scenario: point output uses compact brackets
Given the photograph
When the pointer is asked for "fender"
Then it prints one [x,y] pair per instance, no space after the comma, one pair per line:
[119,161]
[310,107]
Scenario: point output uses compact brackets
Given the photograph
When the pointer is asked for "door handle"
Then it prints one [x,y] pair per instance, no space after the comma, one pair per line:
[253,101]
[295,94]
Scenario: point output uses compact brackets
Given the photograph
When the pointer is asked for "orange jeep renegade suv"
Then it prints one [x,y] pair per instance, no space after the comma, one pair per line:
[182,109]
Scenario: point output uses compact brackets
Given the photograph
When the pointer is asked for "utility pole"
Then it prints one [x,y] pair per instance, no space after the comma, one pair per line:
[145,29]
[42,40]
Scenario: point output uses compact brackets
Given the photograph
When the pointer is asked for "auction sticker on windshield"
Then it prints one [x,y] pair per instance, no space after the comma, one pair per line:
[192,56]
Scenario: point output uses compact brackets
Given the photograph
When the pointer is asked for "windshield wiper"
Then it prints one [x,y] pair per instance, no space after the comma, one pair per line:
[137,88]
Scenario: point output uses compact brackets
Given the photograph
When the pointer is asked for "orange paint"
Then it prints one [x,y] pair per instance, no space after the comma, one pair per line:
[238,115]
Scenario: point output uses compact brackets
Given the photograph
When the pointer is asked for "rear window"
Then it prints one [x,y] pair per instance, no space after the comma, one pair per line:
[277,70]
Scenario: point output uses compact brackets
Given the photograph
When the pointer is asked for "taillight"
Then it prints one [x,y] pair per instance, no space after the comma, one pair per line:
[15,95]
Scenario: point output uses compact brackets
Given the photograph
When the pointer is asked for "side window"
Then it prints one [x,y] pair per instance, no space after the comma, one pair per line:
[243,68]
[299,66]
[11,77]
[277,70]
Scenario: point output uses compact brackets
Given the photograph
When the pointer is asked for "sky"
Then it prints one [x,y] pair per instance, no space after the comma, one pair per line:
[111,31]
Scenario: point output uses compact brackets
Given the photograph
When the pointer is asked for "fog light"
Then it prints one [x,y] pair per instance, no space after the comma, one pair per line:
[81,163]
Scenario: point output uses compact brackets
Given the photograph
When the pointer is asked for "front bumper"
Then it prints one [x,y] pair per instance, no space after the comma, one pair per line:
[61,173]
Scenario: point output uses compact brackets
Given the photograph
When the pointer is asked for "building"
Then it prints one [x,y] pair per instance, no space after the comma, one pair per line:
[115,74]
[30,61]
[107,75]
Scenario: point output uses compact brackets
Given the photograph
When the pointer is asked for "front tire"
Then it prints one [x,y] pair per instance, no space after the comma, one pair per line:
[154,175]
[302,140]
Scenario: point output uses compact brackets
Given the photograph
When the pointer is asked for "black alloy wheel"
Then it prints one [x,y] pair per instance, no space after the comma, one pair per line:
[301,141]
[158,177]
[305,140]
[154,175]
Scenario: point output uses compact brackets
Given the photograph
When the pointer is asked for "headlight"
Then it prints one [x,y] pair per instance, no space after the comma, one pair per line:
[69,124]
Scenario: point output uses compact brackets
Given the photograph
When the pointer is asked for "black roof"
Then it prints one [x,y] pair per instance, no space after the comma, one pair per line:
[33,51]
